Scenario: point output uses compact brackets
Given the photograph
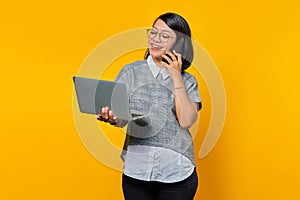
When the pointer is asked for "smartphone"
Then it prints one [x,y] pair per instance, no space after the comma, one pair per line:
[178,47]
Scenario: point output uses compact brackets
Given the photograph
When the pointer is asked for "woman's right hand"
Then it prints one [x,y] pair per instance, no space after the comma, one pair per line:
[107,116]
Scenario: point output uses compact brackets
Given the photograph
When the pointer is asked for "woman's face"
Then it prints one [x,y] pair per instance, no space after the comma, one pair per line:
[160,38]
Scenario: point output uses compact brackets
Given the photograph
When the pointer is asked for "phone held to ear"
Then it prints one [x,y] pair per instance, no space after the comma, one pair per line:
[178,47]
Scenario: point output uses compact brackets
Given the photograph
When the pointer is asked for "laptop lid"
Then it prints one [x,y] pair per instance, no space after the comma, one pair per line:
[93,94]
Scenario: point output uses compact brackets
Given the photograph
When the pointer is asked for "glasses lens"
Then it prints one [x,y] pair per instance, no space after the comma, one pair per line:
[151,33]
[164,37]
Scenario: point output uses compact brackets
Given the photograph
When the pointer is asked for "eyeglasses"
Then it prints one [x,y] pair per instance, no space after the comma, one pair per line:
[163,37]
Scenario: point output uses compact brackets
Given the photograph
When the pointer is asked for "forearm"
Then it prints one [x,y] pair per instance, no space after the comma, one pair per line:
[186,111]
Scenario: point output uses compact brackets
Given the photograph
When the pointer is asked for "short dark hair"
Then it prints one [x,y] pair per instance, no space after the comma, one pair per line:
[182,29]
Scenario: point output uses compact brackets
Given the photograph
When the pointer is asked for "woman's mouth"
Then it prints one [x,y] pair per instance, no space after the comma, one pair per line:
[156,47]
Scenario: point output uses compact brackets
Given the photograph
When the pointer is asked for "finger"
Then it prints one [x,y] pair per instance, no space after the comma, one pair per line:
[112,118]
[98,117]
[173,57]
[165,64]
[111,115]
[176,54]
[105,112]
[179,58]
[168,59]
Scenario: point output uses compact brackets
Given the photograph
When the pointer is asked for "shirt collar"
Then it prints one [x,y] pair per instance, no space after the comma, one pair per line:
[156,69]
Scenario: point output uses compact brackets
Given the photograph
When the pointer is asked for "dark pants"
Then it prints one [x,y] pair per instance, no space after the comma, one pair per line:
[134,189]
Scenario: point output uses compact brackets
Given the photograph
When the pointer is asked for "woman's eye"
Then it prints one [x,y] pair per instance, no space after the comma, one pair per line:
[165,35]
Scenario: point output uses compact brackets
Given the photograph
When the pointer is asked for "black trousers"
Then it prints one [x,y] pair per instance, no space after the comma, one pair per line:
[134,189]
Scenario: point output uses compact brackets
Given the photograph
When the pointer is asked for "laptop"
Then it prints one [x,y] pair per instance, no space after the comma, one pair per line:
[93,94]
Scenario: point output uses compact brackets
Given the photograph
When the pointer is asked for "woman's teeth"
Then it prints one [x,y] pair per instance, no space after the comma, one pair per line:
[155,46]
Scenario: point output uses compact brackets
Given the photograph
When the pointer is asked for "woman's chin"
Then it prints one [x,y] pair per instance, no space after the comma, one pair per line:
[156,54]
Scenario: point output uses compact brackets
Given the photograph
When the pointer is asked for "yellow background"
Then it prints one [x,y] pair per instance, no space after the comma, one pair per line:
[255,45]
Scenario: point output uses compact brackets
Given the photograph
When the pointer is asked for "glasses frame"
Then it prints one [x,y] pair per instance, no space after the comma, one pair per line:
[149,30]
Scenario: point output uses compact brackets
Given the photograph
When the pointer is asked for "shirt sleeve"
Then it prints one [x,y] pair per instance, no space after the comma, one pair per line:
[193,91]
[123,76]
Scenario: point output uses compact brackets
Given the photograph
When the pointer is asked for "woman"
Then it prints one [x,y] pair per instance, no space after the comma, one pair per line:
[164,99]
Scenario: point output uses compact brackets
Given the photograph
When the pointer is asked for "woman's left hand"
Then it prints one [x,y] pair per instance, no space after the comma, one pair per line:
[174,64]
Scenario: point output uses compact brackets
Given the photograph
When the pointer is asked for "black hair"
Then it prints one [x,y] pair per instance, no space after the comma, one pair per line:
[182,30]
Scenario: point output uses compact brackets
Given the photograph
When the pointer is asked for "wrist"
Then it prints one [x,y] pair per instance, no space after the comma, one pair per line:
[179,87]
[178,83]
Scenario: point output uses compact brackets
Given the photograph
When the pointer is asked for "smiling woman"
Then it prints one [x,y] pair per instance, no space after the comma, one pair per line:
[159,156]
[165,40]
[177,30]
